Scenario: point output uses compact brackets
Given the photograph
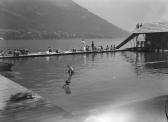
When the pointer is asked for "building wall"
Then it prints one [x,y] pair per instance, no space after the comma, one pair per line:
[156,41]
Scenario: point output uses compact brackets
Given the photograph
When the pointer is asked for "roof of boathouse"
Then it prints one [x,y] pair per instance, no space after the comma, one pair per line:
[154,27]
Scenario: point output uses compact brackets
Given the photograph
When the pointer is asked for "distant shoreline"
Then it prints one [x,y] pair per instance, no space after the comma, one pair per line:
[80,37]
[59,39]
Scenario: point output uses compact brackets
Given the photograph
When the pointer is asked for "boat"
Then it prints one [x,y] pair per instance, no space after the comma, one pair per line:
[5,66]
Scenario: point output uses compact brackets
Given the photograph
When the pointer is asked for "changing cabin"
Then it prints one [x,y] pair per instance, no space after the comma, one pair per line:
[148,37]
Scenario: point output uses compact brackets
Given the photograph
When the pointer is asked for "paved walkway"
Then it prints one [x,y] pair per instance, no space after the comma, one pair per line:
[9,88]
[25,110]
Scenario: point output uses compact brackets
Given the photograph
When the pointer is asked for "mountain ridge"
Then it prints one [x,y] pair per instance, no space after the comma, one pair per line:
[54,16]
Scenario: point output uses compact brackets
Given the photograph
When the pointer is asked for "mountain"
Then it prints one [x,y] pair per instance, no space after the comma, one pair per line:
[53,18]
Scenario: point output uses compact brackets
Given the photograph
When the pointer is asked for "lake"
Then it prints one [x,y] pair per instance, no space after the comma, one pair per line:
[64,44]
[108,87]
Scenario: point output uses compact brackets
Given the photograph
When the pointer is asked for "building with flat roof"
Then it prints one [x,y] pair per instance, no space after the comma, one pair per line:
[148,37]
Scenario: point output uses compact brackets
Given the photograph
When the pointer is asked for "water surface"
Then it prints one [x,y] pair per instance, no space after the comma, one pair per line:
[64,44]
[109,87]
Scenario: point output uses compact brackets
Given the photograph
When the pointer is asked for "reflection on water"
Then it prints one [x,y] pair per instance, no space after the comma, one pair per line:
[148,62]
[67,89]
[151,110]
[109,87]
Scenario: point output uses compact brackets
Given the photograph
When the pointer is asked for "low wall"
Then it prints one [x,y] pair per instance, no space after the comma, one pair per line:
[9,88]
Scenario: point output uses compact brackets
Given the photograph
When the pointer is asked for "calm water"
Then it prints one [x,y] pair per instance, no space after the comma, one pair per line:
[109,87]
[64,44]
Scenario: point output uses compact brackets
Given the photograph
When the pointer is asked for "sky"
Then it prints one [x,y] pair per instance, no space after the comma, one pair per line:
[127,13]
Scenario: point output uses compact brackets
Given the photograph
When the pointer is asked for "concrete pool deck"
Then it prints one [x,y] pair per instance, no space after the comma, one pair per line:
[27,110]
[9,88]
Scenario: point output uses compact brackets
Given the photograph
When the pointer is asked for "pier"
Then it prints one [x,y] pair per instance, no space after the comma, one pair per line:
[149,37]
[44,54]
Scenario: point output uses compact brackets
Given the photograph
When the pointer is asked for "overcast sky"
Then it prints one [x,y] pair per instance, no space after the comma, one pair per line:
[127,13]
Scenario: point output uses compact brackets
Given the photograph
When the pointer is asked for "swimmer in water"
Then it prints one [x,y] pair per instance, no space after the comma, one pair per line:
[70,70]
[70,73]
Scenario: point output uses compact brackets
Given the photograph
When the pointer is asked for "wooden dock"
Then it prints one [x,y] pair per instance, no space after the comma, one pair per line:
[44,54]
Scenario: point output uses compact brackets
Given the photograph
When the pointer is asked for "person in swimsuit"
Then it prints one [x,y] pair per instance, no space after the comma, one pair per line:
[70,70]
[70,73]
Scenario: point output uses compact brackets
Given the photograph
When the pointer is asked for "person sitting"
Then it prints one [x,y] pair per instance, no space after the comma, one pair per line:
[73,50]
[50,49]
[87,47]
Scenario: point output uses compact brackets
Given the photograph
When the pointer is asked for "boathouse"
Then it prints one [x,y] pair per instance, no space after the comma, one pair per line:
[148,37]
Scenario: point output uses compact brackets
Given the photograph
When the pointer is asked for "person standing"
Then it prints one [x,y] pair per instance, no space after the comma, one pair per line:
[92,45]
[107,47]
[83,45]
[111,48]
[70,70]
[70,73]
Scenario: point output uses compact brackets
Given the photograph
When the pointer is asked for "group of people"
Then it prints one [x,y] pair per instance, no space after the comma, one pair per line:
[112,47]
[14,52]
[138,25]
[85,47]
